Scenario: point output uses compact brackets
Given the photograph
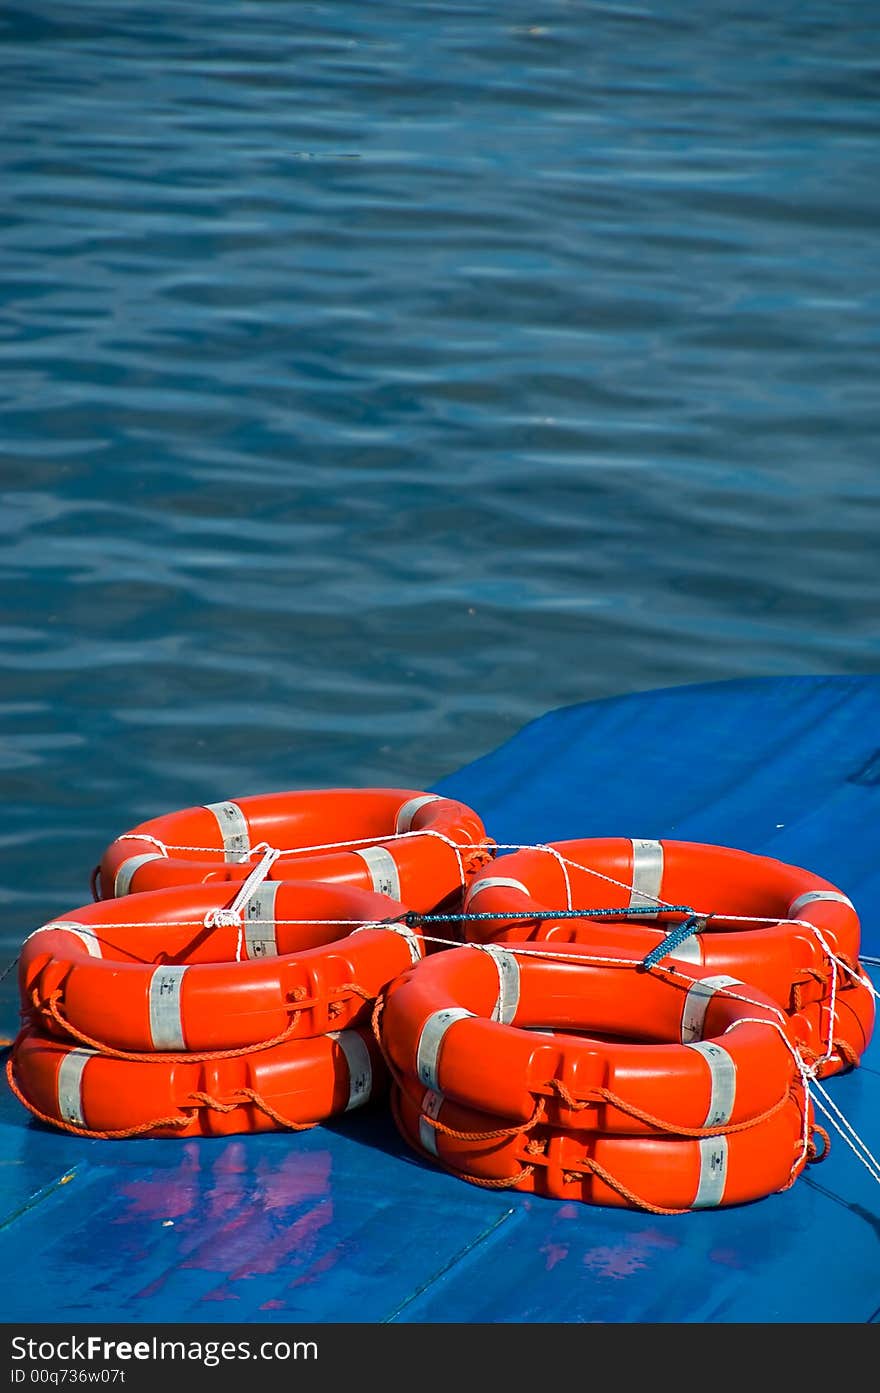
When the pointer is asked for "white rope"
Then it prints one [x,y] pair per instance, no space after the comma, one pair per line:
[317,846]
[557,854]
[200,923]
[575,866]
[807,1073]
[231,916]
[836,963]
[812,1086]
[144,837]
[847,1131]
[456,847]
[801,1066]
[410,937]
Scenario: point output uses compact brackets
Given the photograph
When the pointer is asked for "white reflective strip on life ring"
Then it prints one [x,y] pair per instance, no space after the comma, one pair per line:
[87,937]
[407,811]
[413,941]
[409,935]
[123,878]
[713,1172]
[360,1066]
[430,1040]
[508,983]
[690,951]
[431,1105]
[70,1073]
[166,1020]
[259,937]
[493,882]
[233,829]
[811,896]
[696,1004]
[647,874]
[723,1081]
[383,870]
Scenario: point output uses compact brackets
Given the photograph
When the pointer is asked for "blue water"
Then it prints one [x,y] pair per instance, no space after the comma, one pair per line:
[377,377]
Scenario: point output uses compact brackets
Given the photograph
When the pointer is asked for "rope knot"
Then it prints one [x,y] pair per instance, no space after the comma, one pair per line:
[223,919]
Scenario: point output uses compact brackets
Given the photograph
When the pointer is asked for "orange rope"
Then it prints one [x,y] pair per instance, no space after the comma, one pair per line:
[846,1051]
[823,976]
[475,857]
[505,1182]
[375,1018]
[177,1121]
[334,1007]
[171,1056]
[814,1155]
[512,1131]
[593,1168]
[245,1095]
[190,1057]
[250,1095]
[605,1095]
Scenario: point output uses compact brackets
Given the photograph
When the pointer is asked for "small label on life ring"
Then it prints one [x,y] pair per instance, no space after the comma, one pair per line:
[259,921]
[166,1022]
[70,1074]
[431,1104]
[383,870]
[234,831]
[360,1068]
[508,982]
[696,1004]
[713,1172]
[722,1081]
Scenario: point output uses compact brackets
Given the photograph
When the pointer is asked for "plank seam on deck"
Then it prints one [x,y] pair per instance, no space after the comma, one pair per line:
[38,1198]
[453,1262]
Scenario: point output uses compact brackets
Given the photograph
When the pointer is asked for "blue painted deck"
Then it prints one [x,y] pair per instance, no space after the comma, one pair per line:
[343,1224]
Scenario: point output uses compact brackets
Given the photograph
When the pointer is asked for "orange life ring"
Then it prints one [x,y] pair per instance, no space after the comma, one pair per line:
[659,1174]
[292,1085]
[147,974]
[674,1067]
[414,846]
[811,968]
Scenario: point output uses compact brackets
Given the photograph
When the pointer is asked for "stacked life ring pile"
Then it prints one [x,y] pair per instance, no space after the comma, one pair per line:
[611,1020]
[221,983]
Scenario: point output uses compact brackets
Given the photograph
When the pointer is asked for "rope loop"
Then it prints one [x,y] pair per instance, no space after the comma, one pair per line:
[241,1097]
[169,1056]
[606,1095]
